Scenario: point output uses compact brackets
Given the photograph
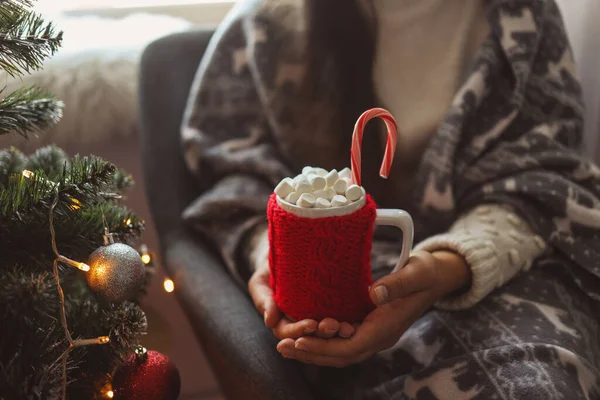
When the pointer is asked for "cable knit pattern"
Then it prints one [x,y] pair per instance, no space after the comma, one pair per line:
[321,267]
[497,245]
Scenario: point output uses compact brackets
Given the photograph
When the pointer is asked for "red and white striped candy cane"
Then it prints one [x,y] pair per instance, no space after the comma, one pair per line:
[390,148]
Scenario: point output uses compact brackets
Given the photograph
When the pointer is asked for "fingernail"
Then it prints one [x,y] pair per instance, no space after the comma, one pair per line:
[381,293]
[265,316]
[300,346]
[310,330]
[327,330]
[287,353]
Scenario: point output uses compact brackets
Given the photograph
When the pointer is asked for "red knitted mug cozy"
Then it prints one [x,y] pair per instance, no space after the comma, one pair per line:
[321,267]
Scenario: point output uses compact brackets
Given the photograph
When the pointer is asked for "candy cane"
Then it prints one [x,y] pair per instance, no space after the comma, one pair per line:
[390,148]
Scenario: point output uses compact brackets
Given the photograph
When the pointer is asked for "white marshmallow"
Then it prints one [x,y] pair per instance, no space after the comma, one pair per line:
[329,193]
[319,193]
[322,203]
[354,192]
[331,177]
[292,198]
[338,201]
[307,170]
[321,171]
[306,200]
[285,187]
[300,178]
[345,174]
[340,186]
[324,193]
[302,185]
[317,182]
[304,188]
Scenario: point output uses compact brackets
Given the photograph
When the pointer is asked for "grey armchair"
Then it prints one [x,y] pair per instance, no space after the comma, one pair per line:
[239,347]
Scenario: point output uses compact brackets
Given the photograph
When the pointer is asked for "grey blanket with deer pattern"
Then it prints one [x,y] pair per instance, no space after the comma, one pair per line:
[511,136]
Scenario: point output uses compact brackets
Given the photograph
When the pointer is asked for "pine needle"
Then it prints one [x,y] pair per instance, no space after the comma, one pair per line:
[25,39]
[28,110]
[82,179]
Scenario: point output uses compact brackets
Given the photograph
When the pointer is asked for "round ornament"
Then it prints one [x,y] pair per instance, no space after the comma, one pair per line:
[146,375]
[116,272]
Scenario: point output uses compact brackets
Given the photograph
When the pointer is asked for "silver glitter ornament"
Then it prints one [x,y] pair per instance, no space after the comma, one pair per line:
[116,272]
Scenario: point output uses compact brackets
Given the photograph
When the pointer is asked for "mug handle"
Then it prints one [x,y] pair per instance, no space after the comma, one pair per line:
[403,221]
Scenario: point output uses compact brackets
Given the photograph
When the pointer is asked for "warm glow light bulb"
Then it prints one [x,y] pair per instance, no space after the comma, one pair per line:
[110,394]
[83,266]
[145,254]
[76,204]
[103,339]
[27,173]
[169,285]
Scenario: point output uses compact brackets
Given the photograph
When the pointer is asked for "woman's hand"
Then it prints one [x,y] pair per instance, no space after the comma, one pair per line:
[401,298]
[283,328]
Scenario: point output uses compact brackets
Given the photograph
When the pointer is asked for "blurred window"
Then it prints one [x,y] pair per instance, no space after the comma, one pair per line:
[69,5]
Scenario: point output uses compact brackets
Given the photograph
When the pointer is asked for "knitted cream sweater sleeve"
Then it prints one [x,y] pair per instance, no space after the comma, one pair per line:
[496,243]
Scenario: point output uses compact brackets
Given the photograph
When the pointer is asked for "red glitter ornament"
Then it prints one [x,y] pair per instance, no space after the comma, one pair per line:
[146,375]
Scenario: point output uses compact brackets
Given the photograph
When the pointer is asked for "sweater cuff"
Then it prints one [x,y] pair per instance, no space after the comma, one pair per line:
[495,242]
[257,250]
[480,256]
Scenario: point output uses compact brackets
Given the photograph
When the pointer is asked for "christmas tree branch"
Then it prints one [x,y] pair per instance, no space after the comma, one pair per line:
[33,333]
[25,39]
[28,110]
[84,188]
[12,161]
[82,181]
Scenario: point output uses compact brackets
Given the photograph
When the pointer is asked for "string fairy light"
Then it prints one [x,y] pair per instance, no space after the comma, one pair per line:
[76,204]
[107,391]
[73,343]
[169,285]
[146,258]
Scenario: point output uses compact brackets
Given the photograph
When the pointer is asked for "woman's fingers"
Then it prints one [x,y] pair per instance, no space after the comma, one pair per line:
[288,329]
[419,274]
[346,330]
[287,350]
[262,296]
[328,328]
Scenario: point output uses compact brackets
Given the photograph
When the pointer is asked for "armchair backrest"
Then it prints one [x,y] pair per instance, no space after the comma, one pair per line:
[582,20]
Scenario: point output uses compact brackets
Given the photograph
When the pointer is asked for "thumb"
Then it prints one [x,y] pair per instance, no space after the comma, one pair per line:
[418,274]
[271,315]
